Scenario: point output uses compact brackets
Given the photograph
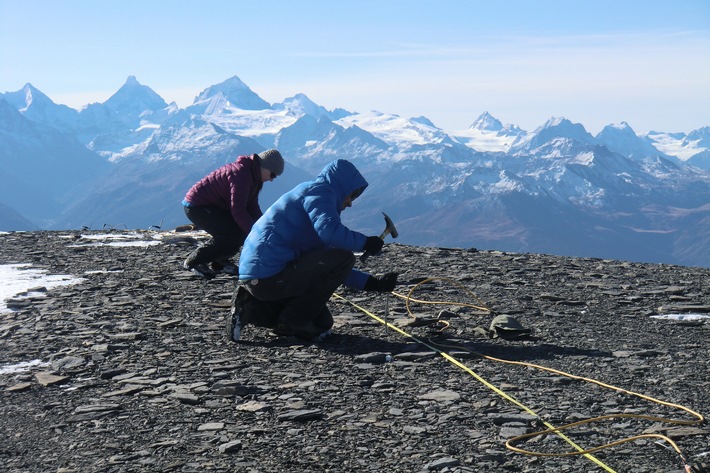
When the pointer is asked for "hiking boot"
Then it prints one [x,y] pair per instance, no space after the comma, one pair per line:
[234,326]
[323,336]
[241,314]
[283,330]
[234,319]
[224,268]
[200,269]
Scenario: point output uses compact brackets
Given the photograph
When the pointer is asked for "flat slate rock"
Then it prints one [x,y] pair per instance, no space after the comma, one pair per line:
[49,379]
[129,369]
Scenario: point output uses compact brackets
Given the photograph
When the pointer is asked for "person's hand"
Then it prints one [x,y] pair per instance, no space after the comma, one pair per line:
[373,245]
[384,283]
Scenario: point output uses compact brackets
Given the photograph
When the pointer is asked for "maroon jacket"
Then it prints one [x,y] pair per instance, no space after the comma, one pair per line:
[233,187]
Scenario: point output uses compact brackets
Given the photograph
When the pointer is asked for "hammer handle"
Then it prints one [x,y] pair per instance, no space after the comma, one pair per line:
[364,256]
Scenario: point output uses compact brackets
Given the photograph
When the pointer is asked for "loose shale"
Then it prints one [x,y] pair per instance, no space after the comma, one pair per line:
[130,370]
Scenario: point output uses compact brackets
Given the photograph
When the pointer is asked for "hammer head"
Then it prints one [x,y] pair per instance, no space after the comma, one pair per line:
[389,228]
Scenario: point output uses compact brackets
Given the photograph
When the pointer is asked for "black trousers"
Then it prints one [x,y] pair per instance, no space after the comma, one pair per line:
[303,287]
[227,236]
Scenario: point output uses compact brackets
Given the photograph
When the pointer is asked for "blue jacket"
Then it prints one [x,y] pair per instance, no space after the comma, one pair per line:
[302,220]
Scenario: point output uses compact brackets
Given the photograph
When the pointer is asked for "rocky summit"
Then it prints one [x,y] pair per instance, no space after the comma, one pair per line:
[129,368]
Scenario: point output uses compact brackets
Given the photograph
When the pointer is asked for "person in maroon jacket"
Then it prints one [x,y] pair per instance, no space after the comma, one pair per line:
[225,204]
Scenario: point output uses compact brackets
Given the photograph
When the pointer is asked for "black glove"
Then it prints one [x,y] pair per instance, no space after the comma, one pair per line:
[384,283]
[373,245]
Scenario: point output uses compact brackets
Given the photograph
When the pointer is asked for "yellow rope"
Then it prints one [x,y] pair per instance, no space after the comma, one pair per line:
[587,453]
[481,380]
[510,443]
[408,297]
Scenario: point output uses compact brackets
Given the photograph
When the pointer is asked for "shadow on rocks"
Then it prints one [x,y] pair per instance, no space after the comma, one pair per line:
[342,343]
[356,344]
[529,353]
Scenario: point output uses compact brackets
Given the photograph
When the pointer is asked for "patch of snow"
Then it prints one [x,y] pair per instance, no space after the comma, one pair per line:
[118,244]
[18,279]
[198,234]
[393,128]
[506,184]
[251,123]
[674,146]
[148,126]
[21,367]
[484,141]
[586,159]
[111,236]
[681,317]
[131,239]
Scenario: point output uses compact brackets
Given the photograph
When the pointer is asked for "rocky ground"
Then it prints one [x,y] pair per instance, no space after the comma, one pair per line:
[135,373]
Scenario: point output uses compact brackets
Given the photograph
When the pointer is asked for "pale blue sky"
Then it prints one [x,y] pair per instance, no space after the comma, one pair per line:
[595,62]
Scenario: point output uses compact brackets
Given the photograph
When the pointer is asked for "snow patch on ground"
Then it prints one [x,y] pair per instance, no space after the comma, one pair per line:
[19,280]
[22,367]
[118,243]
[116,239]
[681,317]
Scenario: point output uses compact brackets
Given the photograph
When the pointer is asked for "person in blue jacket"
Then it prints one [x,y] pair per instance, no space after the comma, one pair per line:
[298,253]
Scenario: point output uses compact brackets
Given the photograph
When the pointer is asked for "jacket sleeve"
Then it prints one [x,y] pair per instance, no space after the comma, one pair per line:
[356,279]
[253,208]
[322,211]
[240,186]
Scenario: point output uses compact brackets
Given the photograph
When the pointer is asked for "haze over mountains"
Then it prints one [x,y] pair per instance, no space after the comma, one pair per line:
[128,162]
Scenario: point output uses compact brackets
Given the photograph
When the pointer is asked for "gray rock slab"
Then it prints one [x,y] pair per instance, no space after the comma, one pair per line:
[49,379]
[152,385]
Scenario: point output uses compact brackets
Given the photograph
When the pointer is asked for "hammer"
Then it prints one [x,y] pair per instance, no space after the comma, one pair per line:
[389,230]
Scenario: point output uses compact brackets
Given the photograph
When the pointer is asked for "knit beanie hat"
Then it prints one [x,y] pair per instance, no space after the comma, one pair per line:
[271,160]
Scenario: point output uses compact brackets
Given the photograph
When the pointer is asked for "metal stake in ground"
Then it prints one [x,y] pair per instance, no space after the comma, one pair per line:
[387,312]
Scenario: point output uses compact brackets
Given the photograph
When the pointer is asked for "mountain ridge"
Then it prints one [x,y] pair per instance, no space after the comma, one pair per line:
[608,190]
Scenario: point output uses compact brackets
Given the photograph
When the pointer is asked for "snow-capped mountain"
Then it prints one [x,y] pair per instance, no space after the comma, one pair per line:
[135,99]
[487,133]
[556,189]
[234,91]
[37,107]
[622,139]
[486,122]
[693,148]
[299,104]
[558,132]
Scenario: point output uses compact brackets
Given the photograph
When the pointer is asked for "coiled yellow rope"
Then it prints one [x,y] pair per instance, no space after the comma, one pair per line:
[510,444]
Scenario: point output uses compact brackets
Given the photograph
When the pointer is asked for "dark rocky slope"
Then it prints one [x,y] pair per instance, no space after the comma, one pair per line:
[139,377]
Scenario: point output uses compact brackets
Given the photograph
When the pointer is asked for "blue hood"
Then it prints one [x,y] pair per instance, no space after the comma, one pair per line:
[343,177]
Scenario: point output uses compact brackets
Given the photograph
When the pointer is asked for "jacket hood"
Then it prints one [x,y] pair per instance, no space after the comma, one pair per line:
[343,176]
